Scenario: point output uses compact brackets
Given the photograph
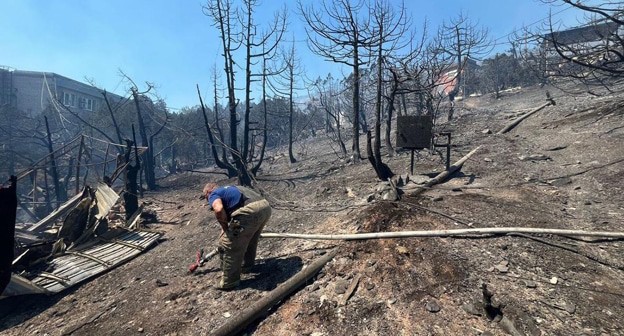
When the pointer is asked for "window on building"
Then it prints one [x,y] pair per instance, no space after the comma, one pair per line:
[69,99]
[66,100]
[89,105]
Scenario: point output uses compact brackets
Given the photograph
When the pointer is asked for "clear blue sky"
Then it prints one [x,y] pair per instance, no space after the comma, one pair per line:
[172,43]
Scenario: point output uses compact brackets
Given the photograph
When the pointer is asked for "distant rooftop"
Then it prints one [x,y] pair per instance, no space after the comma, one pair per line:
[589,33]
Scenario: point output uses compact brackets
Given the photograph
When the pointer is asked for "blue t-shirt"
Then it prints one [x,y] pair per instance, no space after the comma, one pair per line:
[229,195]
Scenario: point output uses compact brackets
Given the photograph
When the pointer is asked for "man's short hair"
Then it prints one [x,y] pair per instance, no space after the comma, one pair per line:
[208,188]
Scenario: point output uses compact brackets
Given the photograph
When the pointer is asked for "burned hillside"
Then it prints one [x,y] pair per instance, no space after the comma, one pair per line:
[329,168]
[558,169]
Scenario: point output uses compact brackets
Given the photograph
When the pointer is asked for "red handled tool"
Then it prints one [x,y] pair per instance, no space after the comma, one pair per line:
[200,259]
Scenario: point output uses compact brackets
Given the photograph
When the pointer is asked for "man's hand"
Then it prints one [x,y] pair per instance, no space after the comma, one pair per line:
[219,210]
[224,227]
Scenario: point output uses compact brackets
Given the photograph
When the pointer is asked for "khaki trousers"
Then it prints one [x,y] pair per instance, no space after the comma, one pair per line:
[240,242]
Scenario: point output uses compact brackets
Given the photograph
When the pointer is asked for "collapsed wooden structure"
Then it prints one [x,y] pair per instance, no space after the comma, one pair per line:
[84,236]
[53,258]
[72,267]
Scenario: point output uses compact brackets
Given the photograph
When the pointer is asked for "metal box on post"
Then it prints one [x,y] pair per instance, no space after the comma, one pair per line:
[414,132]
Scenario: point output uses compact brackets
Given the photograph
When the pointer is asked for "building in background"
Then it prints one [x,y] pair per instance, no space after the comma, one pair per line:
[34,91]
[448,79]
[595,45]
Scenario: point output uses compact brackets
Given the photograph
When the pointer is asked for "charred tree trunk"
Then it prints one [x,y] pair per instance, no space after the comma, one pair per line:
[140,168]
[355,148]
[8,209]
[117,131]
[33,180]
[338,33]
[174,163]
[343,148]
[377,149]
[390,112]
[223,17]
[328,125]
[336,117]
[131,198]
[46,188]
[151,153]
[369,153]
[78,164]
[248,44]
[61,194]
[291,112]
[458,77]
[148,159]
[221,163]
[241,169]
[265,112]
[381,169]
[105,163]
[131,190]
[216,116]
[251,153]
[68,175]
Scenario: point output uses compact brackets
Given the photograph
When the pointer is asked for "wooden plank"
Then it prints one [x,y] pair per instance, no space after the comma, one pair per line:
[54,215]
[77,266]
[61,280]
[86,265]
[112,255]
[76,273]
[350,290]
[121,242]
[62,264]
[91,257]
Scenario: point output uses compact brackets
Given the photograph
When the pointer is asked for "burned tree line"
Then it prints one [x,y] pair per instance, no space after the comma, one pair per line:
[392,67]
[424,73]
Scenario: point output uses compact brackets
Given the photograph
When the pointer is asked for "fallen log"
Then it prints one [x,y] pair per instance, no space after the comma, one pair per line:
[442,176]
[447,233]
[518,120]
[261,306]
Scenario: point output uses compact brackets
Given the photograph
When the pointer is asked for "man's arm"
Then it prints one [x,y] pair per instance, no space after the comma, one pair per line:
[219,210]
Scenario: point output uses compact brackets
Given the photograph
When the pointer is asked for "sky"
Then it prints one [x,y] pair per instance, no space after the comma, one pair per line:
[173,44]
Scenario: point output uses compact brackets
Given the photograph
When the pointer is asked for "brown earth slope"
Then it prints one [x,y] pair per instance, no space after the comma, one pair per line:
[560,168]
